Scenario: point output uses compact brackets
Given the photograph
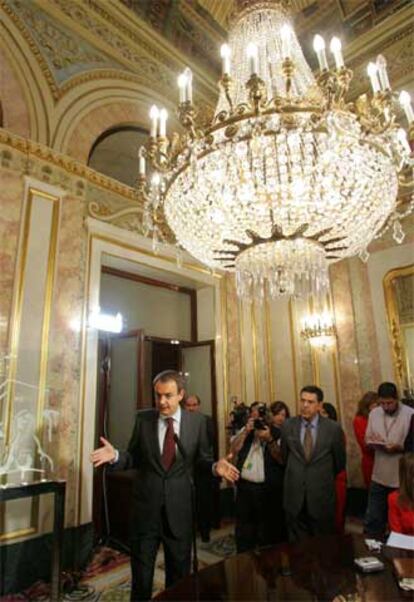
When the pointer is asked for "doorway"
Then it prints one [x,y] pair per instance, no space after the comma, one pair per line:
[129,361]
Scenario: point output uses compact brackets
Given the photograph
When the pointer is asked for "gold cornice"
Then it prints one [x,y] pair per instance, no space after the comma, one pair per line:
[66,163]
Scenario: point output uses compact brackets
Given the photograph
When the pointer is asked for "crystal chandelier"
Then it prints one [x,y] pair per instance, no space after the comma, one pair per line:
[286,177]
[319,329]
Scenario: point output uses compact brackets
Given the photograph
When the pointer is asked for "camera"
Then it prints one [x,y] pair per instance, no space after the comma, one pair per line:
[260,423]
[239,417]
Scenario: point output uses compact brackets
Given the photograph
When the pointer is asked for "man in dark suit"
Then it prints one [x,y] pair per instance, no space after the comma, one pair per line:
[313,449]
[162,490]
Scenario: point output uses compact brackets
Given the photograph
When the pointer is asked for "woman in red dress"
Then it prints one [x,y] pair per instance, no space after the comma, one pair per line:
[329,411]
[366,404]
[401,501]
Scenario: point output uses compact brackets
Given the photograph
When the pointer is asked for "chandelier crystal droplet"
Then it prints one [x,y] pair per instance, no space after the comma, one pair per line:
[288,177]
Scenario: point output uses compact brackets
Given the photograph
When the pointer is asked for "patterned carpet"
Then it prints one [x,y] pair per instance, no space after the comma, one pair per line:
[113,584]
[107,577]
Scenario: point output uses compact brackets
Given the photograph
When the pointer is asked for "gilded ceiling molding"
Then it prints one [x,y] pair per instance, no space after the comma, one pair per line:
[101,74]
[29,72]
[47,74]
[151,66]
[146,69]
[65,52]
[157,63]
[156,45]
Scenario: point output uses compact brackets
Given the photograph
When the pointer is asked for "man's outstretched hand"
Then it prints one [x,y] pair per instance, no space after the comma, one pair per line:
[104,454]
[227,470]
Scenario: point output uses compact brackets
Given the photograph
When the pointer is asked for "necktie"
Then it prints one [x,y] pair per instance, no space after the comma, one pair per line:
[308,443]
[168,450]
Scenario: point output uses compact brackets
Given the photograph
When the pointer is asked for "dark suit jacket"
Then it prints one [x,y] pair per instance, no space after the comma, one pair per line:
[315,479]
[154,487]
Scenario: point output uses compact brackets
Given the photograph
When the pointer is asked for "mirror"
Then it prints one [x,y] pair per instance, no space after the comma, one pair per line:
[399,299]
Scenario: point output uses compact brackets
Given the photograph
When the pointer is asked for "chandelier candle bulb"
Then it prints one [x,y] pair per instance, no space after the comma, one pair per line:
[286,35]
[403,140]
[182,87]
[373,76]
[189,85]
[163,123]
[154,115]
[141,161]
[336,49]
[225,53]
[253,57]
[405,102]
[319,48]
[382,72]
[156,180]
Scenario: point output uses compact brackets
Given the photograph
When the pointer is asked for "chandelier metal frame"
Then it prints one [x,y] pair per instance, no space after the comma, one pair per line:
[202,135]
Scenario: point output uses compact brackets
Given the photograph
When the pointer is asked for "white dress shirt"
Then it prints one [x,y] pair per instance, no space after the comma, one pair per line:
[162,426]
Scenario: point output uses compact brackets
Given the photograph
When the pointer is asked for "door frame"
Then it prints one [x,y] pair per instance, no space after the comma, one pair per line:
[109,241]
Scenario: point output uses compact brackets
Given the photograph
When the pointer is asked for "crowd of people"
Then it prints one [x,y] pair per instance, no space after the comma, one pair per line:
[289,472]
[278,474]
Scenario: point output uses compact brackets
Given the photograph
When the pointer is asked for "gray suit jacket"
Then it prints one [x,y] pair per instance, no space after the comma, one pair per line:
[316,479]
[155,487]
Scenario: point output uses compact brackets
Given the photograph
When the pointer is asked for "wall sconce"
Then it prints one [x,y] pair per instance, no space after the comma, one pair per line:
[319,330]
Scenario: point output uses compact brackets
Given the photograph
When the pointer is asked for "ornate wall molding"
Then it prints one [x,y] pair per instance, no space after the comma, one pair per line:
[28,157]
[94,45]
[131,41]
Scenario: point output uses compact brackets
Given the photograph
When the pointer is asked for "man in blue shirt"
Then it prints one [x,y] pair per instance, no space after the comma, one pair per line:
[313,449]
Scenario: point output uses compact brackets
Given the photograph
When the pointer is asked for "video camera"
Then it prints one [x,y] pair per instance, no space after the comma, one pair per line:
[260,423]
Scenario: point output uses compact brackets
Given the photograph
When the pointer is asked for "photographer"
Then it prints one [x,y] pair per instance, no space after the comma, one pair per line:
[238,418]
[252,449]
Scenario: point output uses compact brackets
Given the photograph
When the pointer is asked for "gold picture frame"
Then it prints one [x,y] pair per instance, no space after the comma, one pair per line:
[398,327]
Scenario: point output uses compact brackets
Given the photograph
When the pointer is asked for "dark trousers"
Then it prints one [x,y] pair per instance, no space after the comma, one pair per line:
[204,484]
[276,531]
[303,525]
[144,548]
[376,516]
[250,516]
